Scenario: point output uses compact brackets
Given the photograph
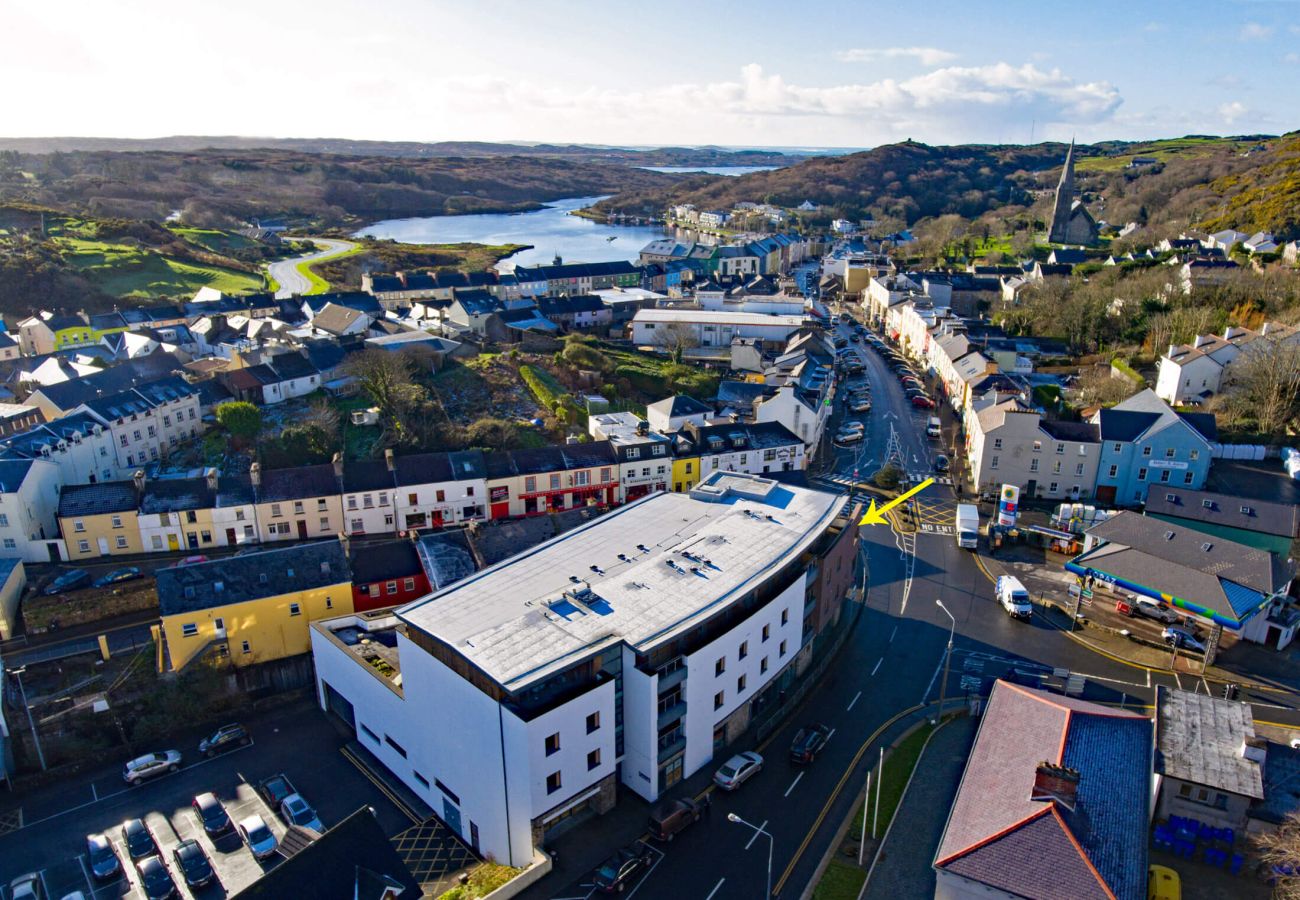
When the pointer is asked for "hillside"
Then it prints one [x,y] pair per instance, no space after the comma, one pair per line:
[906,181]
[222,188]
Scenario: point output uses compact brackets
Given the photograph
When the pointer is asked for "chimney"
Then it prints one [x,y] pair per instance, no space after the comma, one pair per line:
[1254,749]
[211,475]
[1057,784]
[346,543]
[255,474]
[338,465]
[139,480]
[388,459]
[1202,339]
[1266,328]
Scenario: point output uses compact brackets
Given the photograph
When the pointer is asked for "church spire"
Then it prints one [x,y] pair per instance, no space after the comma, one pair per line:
[1064,200]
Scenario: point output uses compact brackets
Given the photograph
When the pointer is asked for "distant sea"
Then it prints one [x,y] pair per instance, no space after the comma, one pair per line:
[710,170]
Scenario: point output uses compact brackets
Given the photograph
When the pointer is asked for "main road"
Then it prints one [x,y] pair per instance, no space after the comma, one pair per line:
[892,663]
[288,274]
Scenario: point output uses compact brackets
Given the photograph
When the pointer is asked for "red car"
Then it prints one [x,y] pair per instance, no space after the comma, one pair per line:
[923,402]
[189,561]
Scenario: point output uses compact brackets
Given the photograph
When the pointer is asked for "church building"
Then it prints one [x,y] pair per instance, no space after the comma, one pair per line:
[1071,221]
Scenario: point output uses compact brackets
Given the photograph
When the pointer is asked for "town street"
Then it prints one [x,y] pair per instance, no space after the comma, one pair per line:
[287,274]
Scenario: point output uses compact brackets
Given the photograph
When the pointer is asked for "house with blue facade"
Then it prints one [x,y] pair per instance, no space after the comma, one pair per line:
[1144,442]
[1242,589]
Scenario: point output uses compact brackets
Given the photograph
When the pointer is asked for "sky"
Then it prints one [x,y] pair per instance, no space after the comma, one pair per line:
[759,73]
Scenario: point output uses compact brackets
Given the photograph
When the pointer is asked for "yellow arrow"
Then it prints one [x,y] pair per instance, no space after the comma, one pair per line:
[877,516]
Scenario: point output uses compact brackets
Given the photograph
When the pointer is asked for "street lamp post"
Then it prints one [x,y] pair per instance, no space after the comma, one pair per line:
[732,817]
[947,656]
[22,692]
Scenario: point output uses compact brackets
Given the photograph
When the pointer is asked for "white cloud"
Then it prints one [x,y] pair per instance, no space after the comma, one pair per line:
[927,56]
[1253,31]
[1231,112]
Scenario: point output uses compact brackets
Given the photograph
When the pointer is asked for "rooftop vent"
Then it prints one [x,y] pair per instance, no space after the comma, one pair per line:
[1171,498]
[1169,535]
[1254,749]
[1248,510]
[1206,546]
[1208,504]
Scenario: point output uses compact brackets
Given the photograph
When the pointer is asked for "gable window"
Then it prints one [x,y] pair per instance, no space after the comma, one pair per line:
[1060,448]
[1038,446]
[997,443]
[189,629]
[1193,454]
[1169,453]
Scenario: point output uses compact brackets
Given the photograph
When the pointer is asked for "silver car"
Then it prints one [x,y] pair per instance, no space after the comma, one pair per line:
[737,770]
[257,836]
[297,811]
[151,765]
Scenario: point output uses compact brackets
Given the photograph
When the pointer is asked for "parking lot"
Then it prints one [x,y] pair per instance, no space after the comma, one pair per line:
[52,841]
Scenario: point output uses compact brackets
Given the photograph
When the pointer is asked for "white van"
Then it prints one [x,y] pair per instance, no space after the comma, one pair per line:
[1014,598]
[932,430]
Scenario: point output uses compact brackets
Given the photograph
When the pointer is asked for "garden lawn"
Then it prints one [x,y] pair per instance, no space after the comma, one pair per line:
[125,271]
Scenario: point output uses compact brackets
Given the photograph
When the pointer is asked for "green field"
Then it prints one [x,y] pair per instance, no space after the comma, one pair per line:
[308,269]
[213,239]
[1184,147]
[126,271]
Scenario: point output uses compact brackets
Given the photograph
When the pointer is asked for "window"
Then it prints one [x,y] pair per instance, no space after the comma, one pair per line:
[440,496]
[1169,453]
[157,541]
[116,520]
[11,544]
[555,481]
[469,491]
[297,508]
[1142,474]
[1033,465]
[1114,470]
[370,734]
[633,452]
[391,587]
[247,648]
[1188,477]
[424,782]
[719,698]
[993,463]
[1193,454]
[383,498]
[83,546]
[593,722]
[367,501]
[1052,488]
[408,584]
[1056,467]
[767,632]
[1083,450]
[78,526]
[189,629]
[604,475]
[552,782]
[785,617]
[530,484]
[593,759]
[762,665]
[239,515]
[1164,476]
[321,505]
[275,509]
[401,751]
[295,609]
[997,443]
[1117,447]
[121,542]
[553,744]
[1060,448]
[324,523]
[1146,451]
[583,478]
[122,440]
[720,666]
[744,649]
[1038,446]
[740,685]
[153,432]
[205,537]
[352,502]
[1078,469]
[358,526]
[782,648]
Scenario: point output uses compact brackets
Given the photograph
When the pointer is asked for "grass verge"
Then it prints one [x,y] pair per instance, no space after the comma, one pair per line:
[899,764]
[840,881]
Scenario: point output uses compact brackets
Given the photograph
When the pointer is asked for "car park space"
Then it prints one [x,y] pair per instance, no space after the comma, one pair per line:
[623,872]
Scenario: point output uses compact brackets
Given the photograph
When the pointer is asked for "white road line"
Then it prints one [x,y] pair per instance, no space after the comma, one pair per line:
[85,873]
[716,888]
[853,701]
[1207,685]
[754,837]
[930,686]
[1148,678]
[877,668]
[1178,681]
[793,783]
[892,633]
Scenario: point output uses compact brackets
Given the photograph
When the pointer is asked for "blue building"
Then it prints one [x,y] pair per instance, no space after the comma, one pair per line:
[1144,442]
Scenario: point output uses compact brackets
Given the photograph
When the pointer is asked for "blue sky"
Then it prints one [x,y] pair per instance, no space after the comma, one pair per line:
[757,73]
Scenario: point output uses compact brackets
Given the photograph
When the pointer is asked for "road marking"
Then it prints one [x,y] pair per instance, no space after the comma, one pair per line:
[933,677]
[853,701]
[754,837]
[892,633]
[1178,680]
[1148,678]
[878,662]
[793,783]
[1207,685]
[85,873]
[716,888]
[830,734]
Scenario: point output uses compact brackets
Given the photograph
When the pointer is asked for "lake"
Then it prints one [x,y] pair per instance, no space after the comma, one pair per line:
[550,231]
[710,170]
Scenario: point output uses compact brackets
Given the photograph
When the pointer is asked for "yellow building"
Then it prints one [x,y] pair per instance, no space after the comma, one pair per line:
[686,473]
[253,608]
[100,519]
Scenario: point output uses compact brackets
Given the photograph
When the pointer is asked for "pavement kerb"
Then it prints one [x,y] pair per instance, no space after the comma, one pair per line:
[902,798]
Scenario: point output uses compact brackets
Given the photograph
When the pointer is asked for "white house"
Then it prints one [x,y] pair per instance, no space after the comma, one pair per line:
[709,328]
[1195,372]
[29,504]
[1008,443]
[672,413]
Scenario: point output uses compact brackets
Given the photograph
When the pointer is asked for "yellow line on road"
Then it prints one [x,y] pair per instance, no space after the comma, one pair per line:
[383,788]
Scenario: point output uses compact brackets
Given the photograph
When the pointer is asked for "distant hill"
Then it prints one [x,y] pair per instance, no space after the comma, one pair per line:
[658,156]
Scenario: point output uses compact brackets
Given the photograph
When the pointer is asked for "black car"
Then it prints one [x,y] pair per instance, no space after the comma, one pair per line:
[193,863]
[211,813]
[68,581]
[139,842]
[941,463]
[615,873]
[275,789]
[155,881]
[130,573]
[808,743]
[103,860]
[227,737]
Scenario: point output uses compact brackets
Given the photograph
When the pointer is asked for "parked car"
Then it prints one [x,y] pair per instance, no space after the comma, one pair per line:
[69,580]
[737,770]
[130,573]
[189,561]
[672,816]
[155,881]
[27,887]
[275,789]
[297,811]
[211,813]
[808,742]
[193,863]
[848,437]
[151,765]
[616,872]
[860,405]
[941,463]
[259,838]
[922,402]
[1154,609]
[227,737]
[103,858]
[139,842]
[1182,639]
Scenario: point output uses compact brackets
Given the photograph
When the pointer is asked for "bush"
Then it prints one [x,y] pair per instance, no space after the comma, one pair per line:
[545,388]
[887,477]
[1122,366]
[482,881]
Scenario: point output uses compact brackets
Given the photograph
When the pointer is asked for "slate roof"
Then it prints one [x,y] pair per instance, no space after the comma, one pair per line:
[1079,432]
[367,475]
[358,300]
[384,561]
[998,836]
[742,393]
[176,495]
[234,490]
[1281,783]
[1199,737]
[12,474]
[132,373]
[1125,426]
[1264,516]
[253,576]
[1143,412]
[298,483]
[97,499]
[679,405]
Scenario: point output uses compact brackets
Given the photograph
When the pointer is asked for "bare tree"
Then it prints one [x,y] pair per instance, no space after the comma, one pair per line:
[676,337]
[1264,382]
[1098,388]
[1281,849]
[322,416]
[386,378]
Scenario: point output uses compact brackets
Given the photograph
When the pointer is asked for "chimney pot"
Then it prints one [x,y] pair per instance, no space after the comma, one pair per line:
[255,474]
[338,465]
[388,458]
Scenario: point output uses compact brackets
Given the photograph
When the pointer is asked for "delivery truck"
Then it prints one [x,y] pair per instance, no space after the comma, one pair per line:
[968,526]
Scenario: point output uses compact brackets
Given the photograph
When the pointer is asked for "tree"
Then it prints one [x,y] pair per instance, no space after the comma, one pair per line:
[241,419]
[1280,849]
[676,337]
[322,416]
[1265,381]
[387,379]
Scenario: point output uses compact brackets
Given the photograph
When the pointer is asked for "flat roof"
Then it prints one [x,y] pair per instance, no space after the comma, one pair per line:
[717,317]
[546,608]
[1199,738]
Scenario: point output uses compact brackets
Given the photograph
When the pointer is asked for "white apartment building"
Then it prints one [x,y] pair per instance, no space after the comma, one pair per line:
[29,504]
[1194,372]
[515,698]
[710,328]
